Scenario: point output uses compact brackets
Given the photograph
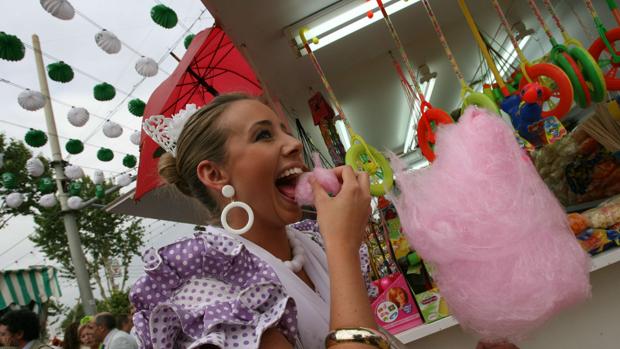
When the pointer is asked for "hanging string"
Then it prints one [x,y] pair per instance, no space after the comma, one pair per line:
[8,82]
[72,67]
[584,28]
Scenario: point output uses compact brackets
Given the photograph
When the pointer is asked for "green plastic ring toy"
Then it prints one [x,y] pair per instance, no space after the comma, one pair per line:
[481,100]
[562,61]
[591,72]
[352,159]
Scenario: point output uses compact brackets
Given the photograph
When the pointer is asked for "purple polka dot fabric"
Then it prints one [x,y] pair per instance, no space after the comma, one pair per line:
[209,289]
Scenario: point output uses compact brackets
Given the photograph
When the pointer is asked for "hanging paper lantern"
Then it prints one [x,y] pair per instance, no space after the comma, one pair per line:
[105,154]
[129,161]
[147,67]
[60,71]
[75,188]
[136,107]
[111,129]
[35,138]
[135,137]
[164,16]
[99,191]
[74,146]
[78,116]
[104,92]
[11,47]
[46,185]
[9,180]
[14,200]
[123,180]
[188,40]
[74,172]
[61,9]
[35,167]
[98,177]
[108,42]
[31,100]
[48,201]
[75,202]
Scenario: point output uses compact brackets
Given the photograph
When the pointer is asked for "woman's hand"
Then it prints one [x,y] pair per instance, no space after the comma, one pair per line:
[342,218]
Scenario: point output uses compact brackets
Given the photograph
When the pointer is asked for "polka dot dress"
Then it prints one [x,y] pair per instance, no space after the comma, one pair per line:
[209,290]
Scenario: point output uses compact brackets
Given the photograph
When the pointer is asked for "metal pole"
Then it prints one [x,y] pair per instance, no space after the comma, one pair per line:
[75,247]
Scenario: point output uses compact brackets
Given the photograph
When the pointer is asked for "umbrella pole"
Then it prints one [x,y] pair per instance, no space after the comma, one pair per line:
[198,78]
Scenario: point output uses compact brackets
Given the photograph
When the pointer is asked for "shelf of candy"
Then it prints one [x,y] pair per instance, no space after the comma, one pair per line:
[598,229]
[578,169]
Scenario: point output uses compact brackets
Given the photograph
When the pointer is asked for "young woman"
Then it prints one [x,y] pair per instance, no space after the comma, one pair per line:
[272,286]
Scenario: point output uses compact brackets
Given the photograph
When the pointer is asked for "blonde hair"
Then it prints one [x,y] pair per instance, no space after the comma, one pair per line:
[201,139]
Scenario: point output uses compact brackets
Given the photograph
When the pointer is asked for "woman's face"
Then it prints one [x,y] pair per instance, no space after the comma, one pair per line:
[87,336]
[260,149]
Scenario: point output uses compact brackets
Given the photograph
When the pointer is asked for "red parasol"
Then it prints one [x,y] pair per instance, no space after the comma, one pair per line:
[211,65]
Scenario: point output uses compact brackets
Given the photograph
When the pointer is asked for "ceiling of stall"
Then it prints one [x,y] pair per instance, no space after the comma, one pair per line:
[258,28]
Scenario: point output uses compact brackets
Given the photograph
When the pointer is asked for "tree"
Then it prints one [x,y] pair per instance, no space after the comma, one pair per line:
[15,154]
[106,239]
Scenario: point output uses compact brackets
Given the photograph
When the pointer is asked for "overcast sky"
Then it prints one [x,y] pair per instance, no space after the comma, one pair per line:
[73,42]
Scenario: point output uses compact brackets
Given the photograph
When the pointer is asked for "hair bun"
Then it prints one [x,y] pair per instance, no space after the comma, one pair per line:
[167,169]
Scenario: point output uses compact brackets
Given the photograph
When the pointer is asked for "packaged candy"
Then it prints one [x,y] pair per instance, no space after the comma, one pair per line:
[395,308]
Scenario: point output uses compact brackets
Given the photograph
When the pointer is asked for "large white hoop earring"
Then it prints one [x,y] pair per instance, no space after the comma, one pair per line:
[228,191]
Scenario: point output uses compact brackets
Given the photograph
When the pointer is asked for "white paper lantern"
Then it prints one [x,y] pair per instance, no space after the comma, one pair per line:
[34,167]
[147,67]
[75,202]
[124,180]
[14,200]
[135,138]
[98,177]
[48,200]
[112,129]
[108,42]
[74,172]
[59,8]
[31,100]
[78,116]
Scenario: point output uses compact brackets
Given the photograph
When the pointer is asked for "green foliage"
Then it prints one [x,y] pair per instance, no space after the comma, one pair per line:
[117,303]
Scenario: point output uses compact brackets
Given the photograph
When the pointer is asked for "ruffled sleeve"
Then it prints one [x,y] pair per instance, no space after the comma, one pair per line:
[209,290]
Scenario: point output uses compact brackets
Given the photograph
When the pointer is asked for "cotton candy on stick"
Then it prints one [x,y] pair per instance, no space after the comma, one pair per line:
[326,178]
[506,259]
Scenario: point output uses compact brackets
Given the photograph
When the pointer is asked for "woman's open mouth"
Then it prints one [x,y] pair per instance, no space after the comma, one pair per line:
[287,181]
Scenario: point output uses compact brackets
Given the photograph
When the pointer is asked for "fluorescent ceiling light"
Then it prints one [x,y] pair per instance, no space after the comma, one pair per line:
[333,24]
[412,128]
[343,133]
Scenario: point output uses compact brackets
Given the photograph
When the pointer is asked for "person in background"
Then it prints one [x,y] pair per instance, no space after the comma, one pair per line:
[22,330]
[124,323]
[86,333]
[109,336]
[4,336]
[71,339]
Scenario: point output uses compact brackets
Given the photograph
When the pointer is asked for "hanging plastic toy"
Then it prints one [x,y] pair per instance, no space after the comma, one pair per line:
[604,50]
[468,95]
[430,116]
[360,156]
[557,86]
[560,56]
[592,73]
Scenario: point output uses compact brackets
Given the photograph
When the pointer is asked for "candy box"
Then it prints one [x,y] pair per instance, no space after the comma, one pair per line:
[432,305]
[595,241]
[394,308]
[549,130]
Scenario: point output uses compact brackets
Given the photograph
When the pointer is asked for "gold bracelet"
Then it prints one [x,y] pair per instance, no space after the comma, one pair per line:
[361,335]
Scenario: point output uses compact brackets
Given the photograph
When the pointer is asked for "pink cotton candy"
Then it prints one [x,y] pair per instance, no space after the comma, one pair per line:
[326,178]
[506,259]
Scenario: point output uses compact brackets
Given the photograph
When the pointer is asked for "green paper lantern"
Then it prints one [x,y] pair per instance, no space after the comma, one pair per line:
[104,92]
[188,40]
[9,180]
[99,191]
[105,154]
[35,138]
[60,71]
[46,185]
[74,146]
[129,161]
[75,188]
[11,47]
[164,16]
[136,107]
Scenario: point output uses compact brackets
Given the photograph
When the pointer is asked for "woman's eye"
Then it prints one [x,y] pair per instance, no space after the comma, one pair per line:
[264,134]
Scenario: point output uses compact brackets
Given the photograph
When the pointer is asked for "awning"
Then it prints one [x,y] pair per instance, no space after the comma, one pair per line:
[24,286]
